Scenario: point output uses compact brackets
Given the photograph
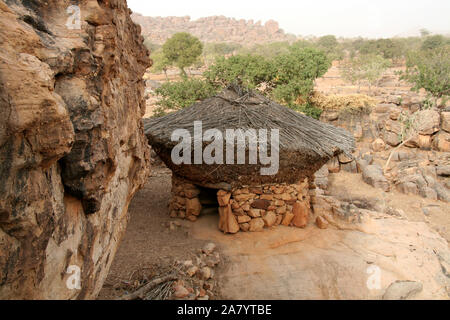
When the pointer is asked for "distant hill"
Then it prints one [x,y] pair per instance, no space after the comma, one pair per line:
[212,29]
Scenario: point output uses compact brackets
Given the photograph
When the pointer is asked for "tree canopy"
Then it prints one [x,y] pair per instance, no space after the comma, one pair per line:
[182,50]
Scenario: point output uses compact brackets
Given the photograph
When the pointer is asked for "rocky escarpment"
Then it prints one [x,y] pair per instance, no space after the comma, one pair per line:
[212,29]
[72,149]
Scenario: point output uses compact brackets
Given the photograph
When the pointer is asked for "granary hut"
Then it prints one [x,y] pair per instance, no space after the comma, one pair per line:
[245,155]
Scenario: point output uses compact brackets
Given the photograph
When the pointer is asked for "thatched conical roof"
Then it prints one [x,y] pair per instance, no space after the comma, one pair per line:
[305,143]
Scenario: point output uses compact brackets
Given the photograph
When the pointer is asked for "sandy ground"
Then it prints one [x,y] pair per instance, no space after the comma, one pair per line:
[148,245]
[290,263]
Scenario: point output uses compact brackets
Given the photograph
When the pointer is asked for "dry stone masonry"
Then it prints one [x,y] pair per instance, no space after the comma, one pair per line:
[246,209]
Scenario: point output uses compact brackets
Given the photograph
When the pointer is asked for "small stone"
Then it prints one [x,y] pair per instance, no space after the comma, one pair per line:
[192,271]
[255,213]
[193,207]
[261,204]
[243,219]
[209,248]
[301,215]
[245,227]
[282,210]
[180,292]
[378,145]
[256,225]
[287,219]
[256,190]
[206,273]
[322,223]
[268,197]
[270,219]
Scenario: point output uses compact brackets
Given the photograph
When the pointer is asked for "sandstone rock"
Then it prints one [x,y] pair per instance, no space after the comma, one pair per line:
[281,210]
[209,248]
[270,219]
[424,142]
[245,227]
[191,193]
[322,223]
[384,108]
[193,207]
[261,204]
[395,114]
[445,121]
[301,215]
[351,167]
[216,29]
[223,198]
[227,222]
[206,273]
[71,143]
[268,197]
[428,122]
[378,145]
[192,271]
[244,197]
[393,126]
[254,213]
[392,139]
[180,292]
[443,171]
[287,219]
[243,219]
[441,141]
[402,290]
[373,175]
[256,225]
[333,165]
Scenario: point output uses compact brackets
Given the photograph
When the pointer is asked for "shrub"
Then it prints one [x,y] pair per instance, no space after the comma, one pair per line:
[178,95]
[429,70]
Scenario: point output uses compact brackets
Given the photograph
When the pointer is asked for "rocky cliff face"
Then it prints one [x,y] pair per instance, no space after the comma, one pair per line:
[212,29]
[72,149]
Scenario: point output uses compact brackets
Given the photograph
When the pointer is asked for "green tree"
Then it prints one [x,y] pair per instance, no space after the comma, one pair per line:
[182,50]
[328,43]
[367,68]
[433,42]
[296,73]
[160,63]
[429,70]
[250,70]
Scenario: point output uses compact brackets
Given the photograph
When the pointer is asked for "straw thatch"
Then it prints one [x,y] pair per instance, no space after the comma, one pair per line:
[305,143]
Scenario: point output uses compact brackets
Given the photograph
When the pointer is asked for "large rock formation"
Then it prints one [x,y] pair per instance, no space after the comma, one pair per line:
[72,149]
[212,29]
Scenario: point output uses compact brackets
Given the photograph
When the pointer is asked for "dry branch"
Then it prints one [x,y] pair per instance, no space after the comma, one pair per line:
[141,293]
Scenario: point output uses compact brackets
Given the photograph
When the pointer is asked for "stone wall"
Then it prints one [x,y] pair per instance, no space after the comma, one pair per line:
[72,148]
[246,209]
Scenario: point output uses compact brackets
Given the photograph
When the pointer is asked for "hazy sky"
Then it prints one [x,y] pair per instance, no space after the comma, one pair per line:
[367,18]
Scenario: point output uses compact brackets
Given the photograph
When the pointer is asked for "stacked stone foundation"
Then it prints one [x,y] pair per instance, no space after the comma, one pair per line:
[246,209]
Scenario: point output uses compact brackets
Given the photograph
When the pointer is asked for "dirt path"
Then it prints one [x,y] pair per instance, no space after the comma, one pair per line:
[149,246]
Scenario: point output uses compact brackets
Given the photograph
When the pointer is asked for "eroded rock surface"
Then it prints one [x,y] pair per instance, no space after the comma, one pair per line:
[72,149]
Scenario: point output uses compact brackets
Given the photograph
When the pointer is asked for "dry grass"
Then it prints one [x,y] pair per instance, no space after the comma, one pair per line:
[354,103]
